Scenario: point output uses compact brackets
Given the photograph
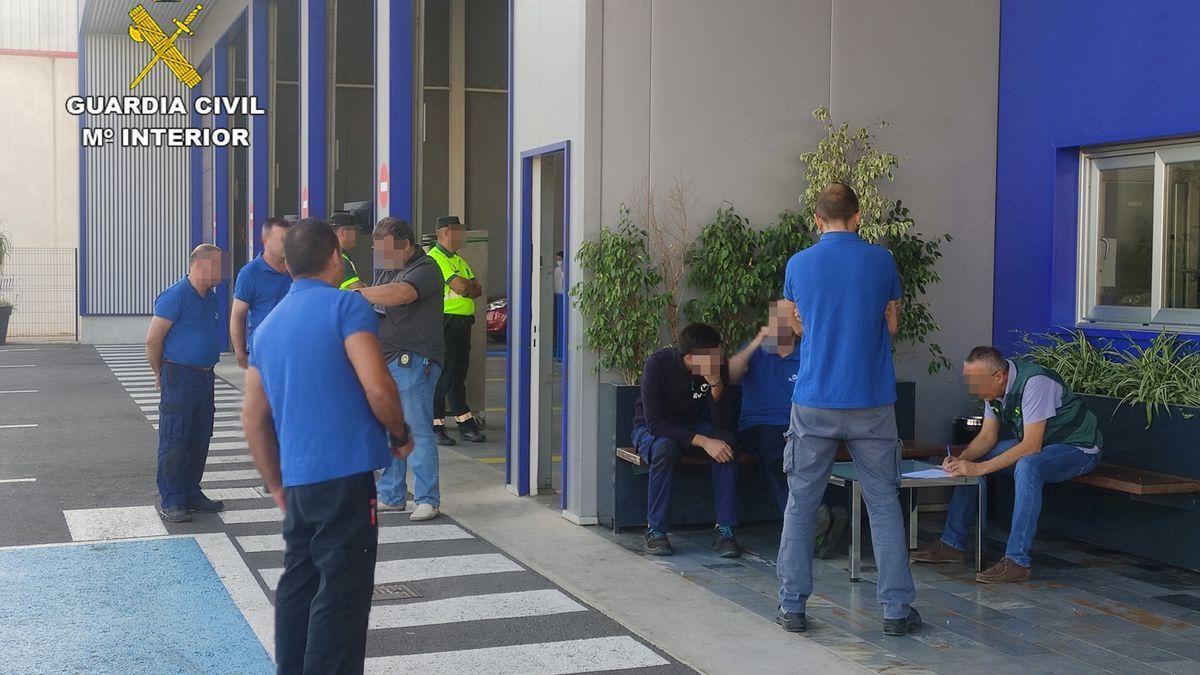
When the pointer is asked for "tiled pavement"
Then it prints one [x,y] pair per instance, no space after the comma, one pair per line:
[475,610]
[1085,611]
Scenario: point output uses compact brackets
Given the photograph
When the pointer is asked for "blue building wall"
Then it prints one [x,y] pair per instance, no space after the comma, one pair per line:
[1076,73]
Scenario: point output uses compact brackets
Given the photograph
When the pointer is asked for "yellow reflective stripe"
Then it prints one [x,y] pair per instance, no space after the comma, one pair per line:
[349,282]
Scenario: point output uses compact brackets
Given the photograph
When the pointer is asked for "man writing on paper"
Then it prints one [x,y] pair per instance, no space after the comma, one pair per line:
[1050,436]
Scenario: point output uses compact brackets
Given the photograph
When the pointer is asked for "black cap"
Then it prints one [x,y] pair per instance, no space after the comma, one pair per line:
[448,221]
[341,219]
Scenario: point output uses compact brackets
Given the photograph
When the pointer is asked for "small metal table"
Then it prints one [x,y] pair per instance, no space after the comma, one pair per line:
[845,474]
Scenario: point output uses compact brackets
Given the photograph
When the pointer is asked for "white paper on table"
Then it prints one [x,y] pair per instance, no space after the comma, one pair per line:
[927,473]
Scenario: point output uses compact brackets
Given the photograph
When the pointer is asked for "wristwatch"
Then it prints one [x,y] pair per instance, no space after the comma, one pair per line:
[400,441]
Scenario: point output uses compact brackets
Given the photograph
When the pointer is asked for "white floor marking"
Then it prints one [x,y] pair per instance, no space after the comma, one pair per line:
[18,426]
[243,589]
[251,516]
[17,480]
[228,445]
[228,434]
[20,391]
[416,569]
[545,658]
[114,523]
[221,414]
[20,350]
[23,365]
[394,534]
[474,608]
[234,474]
[232,493]
[228,459]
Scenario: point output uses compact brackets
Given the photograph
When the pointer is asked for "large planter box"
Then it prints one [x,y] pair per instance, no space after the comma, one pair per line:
[1158,528]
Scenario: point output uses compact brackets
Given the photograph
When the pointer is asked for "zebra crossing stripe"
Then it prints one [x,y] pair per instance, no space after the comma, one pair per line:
[233,493]
[228,459]
[545,658]
[251,516]
[228,445]
[233,474]
[417,569]
[394,534]
[473,608]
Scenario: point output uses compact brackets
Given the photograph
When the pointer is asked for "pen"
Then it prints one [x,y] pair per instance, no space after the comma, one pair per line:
[948,455]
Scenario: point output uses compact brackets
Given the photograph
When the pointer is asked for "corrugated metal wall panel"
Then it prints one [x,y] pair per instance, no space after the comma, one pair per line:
[137,198]
[40,25]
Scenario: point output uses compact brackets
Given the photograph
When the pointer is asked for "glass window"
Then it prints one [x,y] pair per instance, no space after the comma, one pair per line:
[1141,236]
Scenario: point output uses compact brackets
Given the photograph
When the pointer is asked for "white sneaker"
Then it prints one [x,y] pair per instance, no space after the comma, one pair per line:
[424,512]
[384,506]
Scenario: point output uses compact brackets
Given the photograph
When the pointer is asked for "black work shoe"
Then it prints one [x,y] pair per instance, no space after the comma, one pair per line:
[443,438]
[656,543]
[903,626]
[469,431]
[724,543]
[792,622]
[175,514]
[206,505]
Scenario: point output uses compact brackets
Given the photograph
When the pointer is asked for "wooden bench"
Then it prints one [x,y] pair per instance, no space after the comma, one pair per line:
[1137,481]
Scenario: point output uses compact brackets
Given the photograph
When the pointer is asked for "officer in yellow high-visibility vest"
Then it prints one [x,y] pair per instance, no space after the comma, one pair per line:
[460,290]
[347,234]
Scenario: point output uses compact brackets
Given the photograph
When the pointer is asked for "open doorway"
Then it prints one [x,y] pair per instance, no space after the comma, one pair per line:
[241,244]
[541,366]
[352,116]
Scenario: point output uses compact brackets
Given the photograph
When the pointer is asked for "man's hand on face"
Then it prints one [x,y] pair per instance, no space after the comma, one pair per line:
[717,449]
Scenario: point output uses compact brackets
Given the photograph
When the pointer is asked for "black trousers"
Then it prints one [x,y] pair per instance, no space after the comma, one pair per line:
[324,596]
[452,385]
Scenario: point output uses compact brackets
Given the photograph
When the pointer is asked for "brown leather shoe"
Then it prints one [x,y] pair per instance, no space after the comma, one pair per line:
[1004,572]
[940,552]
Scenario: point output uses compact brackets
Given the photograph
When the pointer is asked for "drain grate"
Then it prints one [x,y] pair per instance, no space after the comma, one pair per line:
[396,591]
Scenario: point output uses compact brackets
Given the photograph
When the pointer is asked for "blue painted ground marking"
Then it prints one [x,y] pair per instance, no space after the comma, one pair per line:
[150,606]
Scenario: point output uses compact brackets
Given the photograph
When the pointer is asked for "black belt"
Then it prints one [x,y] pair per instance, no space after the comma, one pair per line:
[184,365]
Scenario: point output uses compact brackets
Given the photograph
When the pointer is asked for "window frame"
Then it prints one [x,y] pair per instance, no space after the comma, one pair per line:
[1143,155]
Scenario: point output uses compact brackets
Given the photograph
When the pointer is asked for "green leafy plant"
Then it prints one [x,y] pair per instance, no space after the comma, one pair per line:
[1164,373]
[738,270]
[620,298]
[849,155]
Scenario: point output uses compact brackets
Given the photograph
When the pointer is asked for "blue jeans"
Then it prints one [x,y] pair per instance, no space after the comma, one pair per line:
[662,454]
[1054,464]
[416,382]
[185,423]
[808,459]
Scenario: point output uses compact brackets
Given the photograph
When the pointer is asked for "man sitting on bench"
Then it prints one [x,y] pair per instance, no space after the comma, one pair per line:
[766,370]
[1051,437]
[674,411]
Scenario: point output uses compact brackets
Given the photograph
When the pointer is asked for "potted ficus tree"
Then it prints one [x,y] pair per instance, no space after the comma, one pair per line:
[6,307]
[622,303]
[1146,398]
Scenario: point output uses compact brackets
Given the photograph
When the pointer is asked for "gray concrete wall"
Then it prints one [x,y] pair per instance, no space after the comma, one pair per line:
[39,151]
[929,67]
[720,94]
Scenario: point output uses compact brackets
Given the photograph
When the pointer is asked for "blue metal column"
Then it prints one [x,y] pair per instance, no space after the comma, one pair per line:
[221,220]
[259,203]
[314,132]
[394,109]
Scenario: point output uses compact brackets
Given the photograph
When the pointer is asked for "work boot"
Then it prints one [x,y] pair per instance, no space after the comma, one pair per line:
[656,543]
[939,552]
[469,431]
[176,514]
[902,626]
[443,438]
[838,518]
[792,622]
[206,505]
[724,543]
[1004,572]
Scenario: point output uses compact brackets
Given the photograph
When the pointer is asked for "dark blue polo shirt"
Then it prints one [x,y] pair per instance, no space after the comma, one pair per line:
[325,426]
[261,287]
[841,286]
[195,335]
[767,388]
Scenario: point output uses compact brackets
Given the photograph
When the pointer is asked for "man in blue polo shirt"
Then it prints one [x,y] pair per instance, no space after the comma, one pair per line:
[260,285]
[845,294]
[182,346]
[320,416]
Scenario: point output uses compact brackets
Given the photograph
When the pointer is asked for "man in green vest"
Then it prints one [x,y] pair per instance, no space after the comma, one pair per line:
[460,290]
[347,234]
[1049,436]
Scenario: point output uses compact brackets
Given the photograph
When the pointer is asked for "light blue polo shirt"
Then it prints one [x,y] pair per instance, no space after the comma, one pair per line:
[194,338]
[841,286]
[767,388]
[325,426]
[261,287]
